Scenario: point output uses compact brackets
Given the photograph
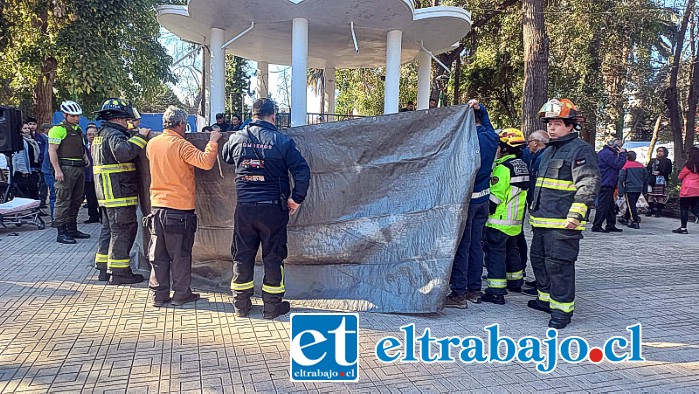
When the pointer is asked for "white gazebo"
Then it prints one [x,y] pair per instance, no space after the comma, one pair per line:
[327,34]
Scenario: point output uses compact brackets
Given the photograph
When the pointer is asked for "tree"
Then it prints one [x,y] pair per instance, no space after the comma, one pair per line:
[672,99]
[536,53]
[238,73]
[85,50]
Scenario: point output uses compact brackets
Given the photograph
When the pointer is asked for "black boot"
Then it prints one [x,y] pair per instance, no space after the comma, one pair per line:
[128,278]
[75,233]
[104,276]
[270,313]
[63,236]
[559,322]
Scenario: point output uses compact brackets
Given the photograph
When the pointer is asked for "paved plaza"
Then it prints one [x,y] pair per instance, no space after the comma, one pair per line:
[63,331]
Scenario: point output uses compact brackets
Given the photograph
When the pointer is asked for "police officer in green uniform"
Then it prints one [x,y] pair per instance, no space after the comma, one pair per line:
[114,153]
[508,200]
[567,183]
[68,159]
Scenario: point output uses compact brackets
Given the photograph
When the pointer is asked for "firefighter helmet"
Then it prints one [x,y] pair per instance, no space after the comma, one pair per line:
[115,108]
[512,137]
[558,109]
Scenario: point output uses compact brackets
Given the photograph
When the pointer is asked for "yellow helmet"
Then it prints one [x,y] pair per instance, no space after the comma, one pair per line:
[512,137]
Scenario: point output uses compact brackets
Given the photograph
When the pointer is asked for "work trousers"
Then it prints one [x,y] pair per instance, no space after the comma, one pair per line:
[605,208]
[631,210]
[117,236]
[254,224]
[69,195]
[93,209]
[502,261]
[552,254]
[170,252]
[467,270]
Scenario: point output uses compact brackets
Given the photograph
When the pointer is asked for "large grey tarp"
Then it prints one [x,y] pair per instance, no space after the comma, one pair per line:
[384,214]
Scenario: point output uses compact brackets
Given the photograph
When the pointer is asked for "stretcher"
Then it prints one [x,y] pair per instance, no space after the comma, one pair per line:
[19,211]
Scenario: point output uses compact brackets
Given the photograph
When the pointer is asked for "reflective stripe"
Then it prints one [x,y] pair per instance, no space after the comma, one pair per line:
[138,141]
[552,223]
[118,202]
[480,193]
[515,275]
[579,208]
[566,307]
[55,141]
[273,289]
[101,258]
[497,283]
[556,184]
[118,263]
[108,191]
[504,222]
[543,297]
[242,286]
[517,179]
[112,168]
[494,199]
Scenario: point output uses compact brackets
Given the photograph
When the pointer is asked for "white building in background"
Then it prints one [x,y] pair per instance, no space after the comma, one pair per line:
[327,34]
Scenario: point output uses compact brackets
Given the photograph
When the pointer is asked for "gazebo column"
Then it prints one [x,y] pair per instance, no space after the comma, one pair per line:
[299,71]
[262,79]
[329,93]
[218,74]
[393,52]
[423,80]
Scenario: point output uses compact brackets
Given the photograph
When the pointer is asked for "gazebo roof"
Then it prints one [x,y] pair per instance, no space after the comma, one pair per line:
[330,42]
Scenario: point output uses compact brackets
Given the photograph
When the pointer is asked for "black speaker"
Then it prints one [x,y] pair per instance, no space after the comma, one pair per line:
[10,130]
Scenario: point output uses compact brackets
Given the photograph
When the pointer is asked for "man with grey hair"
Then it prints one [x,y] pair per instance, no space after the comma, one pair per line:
[172,221]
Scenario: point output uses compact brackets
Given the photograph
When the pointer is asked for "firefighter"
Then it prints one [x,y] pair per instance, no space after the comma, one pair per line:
[508,200]
[263,158]
[68,159]
[567,183]
[116,184]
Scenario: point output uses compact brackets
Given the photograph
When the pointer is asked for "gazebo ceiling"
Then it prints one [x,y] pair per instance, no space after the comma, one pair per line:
[330,41]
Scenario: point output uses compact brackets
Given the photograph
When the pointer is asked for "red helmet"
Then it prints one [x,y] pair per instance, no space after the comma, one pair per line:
[558,109]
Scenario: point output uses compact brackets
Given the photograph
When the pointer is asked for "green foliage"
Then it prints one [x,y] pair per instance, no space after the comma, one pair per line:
[100,48]
[238,72]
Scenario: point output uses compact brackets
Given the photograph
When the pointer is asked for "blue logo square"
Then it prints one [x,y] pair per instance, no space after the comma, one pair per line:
[324,347]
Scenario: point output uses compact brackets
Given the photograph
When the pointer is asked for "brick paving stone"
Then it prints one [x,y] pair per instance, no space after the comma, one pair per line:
[63,331]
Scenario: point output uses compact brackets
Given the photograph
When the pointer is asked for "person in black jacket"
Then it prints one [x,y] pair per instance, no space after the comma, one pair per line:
[659,170]
[263,158]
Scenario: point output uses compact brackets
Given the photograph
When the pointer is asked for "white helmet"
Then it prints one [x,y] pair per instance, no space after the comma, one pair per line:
[71,108]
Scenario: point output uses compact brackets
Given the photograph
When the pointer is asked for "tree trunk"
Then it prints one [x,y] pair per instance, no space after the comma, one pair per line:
[654,139]
[693,97]
[43,91]
[536,53]
[591,89]
[672,95]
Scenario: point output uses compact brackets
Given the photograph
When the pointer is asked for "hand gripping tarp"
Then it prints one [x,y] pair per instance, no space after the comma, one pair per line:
[383,218]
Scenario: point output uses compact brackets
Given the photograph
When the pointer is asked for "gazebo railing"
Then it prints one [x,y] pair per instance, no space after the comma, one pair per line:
[284,118]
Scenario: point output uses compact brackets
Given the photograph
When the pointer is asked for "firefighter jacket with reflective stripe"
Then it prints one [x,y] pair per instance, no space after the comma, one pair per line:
[508,193]
[567,183]
[114,155]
